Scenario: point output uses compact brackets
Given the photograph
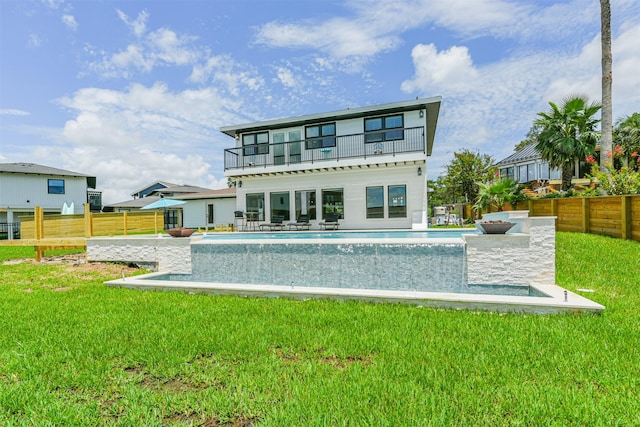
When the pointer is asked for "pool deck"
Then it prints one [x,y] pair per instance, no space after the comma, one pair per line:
[555,303]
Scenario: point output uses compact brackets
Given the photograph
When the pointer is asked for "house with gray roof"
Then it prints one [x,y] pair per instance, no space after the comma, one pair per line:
[26,185]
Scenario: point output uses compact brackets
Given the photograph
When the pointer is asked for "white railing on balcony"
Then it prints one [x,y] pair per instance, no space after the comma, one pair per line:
[363,145]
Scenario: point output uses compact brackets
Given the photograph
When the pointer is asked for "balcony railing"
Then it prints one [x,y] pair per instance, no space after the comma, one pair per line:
[322,149]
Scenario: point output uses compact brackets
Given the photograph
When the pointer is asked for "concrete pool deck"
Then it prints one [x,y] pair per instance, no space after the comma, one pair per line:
[555,303]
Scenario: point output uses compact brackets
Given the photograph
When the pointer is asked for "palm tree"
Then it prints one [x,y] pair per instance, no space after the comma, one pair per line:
[607,108]
[568,134]
[626,133]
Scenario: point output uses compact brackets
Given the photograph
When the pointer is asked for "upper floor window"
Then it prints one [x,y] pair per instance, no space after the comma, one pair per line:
[320,136]
[56,186]
[255,143]
[389,128]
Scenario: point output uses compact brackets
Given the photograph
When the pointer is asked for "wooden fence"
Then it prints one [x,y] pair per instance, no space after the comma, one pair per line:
[616,216]
[89,224]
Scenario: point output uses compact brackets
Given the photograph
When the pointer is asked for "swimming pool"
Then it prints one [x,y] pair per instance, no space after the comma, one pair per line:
[368,234]
[443,268]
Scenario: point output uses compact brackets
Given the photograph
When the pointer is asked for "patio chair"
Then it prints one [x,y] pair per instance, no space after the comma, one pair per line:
[330,222]
[239,220]
[302,223]
[275,224]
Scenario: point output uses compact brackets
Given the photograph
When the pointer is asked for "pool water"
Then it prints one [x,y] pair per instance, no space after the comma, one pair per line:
[373,234]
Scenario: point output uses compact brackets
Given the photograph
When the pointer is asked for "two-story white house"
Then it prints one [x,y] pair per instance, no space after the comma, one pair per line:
[26,185]
[367,165]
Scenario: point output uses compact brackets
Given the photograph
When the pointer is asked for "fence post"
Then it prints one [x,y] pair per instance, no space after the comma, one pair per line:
[625,213]
[125,223]
[38,218]
[554,207]
[155,222]
[586,214]
[88,223]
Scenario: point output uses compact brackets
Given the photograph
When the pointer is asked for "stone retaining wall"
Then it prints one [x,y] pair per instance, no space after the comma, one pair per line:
[156,253]
[524,256]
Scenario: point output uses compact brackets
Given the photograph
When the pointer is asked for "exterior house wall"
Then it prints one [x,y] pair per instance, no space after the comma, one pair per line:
[354,182]
[352,163]
[24,191]
[195,212]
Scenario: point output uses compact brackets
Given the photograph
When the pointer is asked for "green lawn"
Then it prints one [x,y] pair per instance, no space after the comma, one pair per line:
[75,352]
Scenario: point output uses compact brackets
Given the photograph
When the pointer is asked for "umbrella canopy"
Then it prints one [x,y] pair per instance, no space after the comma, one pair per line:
[163,203]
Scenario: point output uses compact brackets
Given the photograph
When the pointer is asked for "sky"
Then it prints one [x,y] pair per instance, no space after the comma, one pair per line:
[133,92]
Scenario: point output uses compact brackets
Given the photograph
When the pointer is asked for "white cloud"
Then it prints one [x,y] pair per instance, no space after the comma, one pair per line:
[451,70]
[34,40]
[130,138]
[139,25]
[70,22]
[13,112]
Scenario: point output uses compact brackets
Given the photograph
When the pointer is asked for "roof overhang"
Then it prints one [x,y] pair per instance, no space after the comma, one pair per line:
[430,105]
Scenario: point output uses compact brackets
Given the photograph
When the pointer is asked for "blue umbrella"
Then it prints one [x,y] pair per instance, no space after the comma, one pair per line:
[163,203]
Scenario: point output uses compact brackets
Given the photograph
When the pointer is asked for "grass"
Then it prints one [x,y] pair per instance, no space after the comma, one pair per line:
[74,352]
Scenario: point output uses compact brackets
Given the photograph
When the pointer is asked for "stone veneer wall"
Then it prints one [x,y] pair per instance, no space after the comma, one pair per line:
[524,256]
[156,253]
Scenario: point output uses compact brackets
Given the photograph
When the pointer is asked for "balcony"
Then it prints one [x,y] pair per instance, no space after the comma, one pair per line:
[324,149]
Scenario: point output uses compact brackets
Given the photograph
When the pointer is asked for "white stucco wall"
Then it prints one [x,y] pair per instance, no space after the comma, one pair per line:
[158,253]
[524,257]
[195,212]
[354,182]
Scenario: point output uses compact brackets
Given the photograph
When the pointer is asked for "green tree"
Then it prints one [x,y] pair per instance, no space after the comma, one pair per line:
[626,133]
[568,134]
[464,172]
[497,194]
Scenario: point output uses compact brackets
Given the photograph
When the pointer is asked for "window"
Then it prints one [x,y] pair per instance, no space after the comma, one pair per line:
[397,201]
[507,173]
[278,148]
[333,202]
[210,219]
[306,203]
[527,173]
[255,143]
[280,205]
[255,205]
[294,146]
[375,202]
[320,136]
[56,186]
[390,127]
[171,219]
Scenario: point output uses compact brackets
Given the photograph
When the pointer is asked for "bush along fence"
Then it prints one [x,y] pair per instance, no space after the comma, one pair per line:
[40,226]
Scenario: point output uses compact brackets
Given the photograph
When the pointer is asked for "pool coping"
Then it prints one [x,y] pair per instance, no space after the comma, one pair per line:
[560,300]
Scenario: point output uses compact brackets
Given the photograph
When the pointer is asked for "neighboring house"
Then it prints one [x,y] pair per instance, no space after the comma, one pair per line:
[202,204]
[367,165]
[527,167]
[26,185]
[208,208]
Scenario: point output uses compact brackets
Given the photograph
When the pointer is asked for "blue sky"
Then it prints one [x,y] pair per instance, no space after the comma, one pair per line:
[135,91]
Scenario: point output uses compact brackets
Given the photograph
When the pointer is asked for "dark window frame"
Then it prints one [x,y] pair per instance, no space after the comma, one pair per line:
[51,186]
[383,131]
[254,145]
[375,211]
[397,210]
[322,139]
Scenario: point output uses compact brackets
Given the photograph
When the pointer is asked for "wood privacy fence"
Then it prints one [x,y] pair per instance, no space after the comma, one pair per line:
[89,224]
[616,216]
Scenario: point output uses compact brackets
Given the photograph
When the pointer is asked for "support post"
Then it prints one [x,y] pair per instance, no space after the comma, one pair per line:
[625,220]
[586,214]
[88,221]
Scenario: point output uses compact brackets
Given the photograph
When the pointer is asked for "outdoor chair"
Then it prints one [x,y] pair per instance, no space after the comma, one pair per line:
[275,224]
[330,222]
[239,220]
[302,223]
